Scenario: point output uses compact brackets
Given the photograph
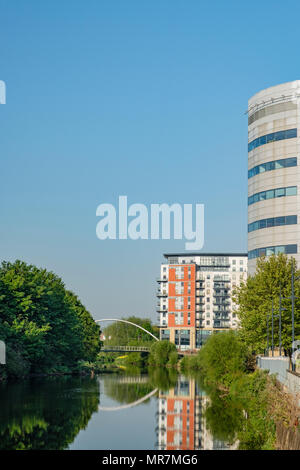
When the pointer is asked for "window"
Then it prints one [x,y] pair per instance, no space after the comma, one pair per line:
[291,191]
[280,192]
[272,193]
[287,249]
[272,222]
[274,136]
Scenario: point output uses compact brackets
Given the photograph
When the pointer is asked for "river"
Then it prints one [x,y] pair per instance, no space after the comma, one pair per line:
[160,410]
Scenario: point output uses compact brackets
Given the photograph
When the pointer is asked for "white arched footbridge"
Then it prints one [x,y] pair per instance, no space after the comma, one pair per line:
[129,323]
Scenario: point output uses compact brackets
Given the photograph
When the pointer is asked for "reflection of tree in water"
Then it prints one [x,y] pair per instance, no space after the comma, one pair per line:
[224,417]
[223,414]
[46,414]
[163,378]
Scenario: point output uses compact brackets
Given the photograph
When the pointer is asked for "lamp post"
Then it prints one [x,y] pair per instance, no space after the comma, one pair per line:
[268,316]
[280,311]
[293,297]
[272,328]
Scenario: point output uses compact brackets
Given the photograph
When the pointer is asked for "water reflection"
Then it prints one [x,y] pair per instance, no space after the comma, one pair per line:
[158,410]
[45,414]
[181,419]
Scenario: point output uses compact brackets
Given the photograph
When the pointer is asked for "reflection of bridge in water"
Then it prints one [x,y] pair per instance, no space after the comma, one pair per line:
[134,380]
[128,405]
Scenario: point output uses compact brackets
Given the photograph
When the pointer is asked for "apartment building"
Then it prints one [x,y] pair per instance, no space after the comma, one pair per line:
[194,295]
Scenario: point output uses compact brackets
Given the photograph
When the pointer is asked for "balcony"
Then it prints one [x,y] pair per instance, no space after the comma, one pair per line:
[162,279]
[199,309]
[220,325]
[221,304]
[224,293]
[200,285]
[161,294]
[161,309]
[220,311]
[200,294]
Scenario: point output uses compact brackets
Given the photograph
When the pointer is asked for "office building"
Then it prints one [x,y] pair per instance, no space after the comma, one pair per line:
[273,172]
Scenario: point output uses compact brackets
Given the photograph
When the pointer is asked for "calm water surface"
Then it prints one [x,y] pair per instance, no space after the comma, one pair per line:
[160,410]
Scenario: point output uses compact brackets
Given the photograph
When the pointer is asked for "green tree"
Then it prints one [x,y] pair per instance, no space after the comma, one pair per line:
[43,324]
[223,358]
[162,353]
[254,298]
[90,329]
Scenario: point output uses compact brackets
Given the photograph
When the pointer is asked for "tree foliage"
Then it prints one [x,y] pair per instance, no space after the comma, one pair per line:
[43,325]
[254,298]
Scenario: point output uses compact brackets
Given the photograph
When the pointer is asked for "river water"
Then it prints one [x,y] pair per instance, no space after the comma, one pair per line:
[160,410]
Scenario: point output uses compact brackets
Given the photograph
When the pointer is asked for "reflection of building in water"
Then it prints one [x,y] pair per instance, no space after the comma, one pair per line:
[181,422]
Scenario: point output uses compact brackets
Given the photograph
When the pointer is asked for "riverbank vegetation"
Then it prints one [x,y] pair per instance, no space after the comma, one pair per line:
[245,404]
[163,354]
[45,326]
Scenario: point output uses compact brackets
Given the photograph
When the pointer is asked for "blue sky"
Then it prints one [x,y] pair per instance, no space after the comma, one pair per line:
[137,98]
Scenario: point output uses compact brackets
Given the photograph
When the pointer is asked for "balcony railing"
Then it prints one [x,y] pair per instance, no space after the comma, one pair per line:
[161,294]
[221,294]
[162,309]
[223,310]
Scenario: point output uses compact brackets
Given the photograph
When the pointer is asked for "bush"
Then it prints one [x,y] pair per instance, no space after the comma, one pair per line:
[160,353]
[173,358]
[223,358]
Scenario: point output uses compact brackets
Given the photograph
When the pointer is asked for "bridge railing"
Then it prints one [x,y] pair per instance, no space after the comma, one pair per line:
[126,348]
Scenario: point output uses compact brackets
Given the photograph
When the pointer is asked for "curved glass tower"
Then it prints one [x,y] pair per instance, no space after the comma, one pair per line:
[273,172]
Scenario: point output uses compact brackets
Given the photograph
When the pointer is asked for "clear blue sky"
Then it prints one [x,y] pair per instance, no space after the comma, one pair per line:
[137,98]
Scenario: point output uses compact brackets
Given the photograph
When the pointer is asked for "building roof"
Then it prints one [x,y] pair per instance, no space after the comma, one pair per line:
[168,255]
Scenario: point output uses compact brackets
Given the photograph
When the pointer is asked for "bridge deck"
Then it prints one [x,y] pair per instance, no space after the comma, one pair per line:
[125,349]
